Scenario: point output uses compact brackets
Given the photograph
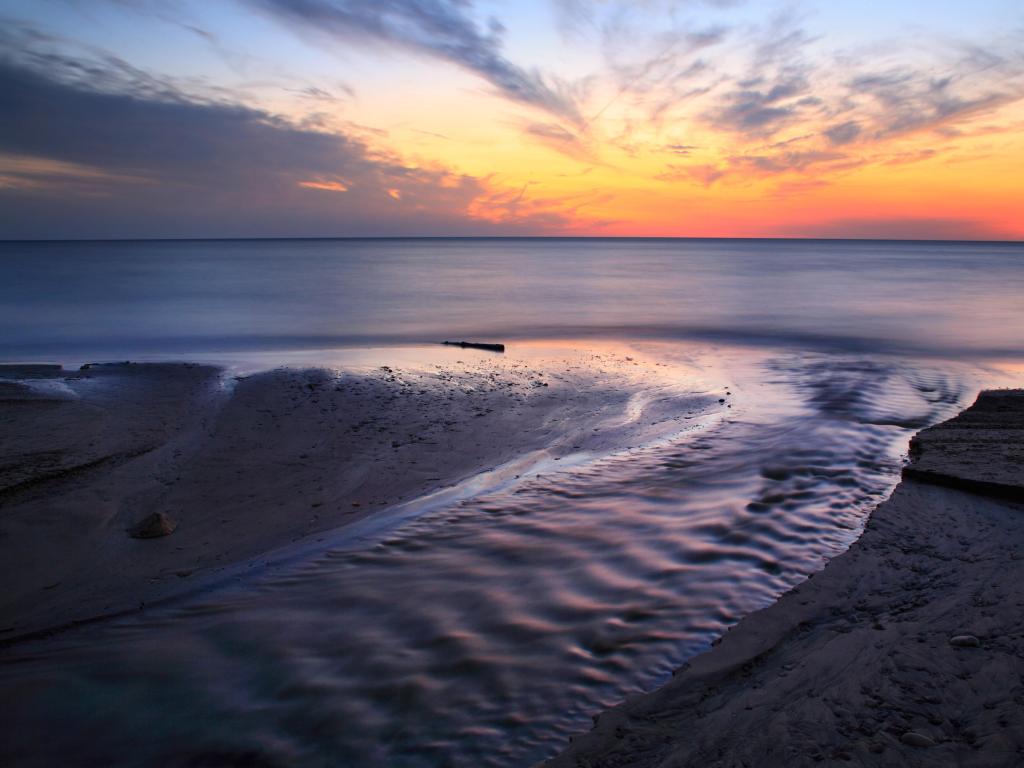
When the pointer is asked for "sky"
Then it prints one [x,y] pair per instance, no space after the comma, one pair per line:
[694,118]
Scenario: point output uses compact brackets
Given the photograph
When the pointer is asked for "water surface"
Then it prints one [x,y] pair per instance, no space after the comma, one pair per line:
[161,296]
[485,630]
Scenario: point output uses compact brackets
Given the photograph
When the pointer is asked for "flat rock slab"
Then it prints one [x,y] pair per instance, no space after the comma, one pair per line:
[981,450]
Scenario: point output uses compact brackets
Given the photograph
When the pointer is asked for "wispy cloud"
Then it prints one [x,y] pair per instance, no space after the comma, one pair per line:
[761,108]
[33,175]
[775,90]
[906,100]
[652,66]
[559,139]
[828,112]
[792,78]
[783,162]
[843,133]
[442,29]
[704,174]
[714,97]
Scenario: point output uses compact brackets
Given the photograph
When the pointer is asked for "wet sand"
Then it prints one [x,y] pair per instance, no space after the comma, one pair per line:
[240,467]
[906,650]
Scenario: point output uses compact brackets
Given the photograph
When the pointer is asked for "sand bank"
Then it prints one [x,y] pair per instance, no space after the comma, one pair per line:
[242,466]
[906,650]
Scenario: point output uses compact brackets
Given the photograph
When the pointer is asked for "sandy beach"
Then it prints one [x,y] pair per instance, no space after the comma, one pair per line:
[427,555]
[232,468]
[904,651]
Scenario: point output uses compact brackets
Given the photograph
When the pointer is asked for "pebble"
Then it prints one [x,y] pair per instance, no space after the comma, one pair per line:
[965,641]
[153,526]
[914,739]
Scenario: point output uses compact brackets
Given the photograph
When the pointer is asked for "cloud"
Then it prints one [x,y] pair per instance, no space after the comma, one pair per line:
[906,158]
[755,166]
[517,208]
[762,109]
[680,149]
[156,133]
[906,100]
[785,162]
[654,66]
[81,162]
[704,174]
[559,139]
[326,185]
[775,90]
[317,94]
[40,174]
[864,96]
[576,17]
[843,133]
[442,29]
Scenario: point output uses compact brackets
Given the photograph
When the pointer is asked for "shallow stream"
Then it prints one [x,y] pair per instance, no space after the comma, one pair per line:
[487,630]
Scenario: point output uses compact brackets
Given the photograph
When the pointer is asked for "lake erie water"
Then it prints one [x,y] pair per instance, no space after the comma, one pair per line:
[487,629]
[115,298]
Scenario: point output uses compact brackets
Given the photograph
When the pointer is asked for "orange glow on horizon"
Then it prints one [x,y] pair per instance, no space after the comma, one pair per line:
[737,122]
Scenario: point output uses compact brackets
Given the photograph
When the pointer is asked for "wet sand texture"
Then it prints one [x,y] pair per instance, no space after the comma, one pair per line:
[126,484]
[907,650]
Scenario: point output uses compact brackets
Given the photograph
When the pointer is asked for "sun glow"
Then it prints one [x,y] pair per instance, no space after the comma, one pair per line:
[719,120]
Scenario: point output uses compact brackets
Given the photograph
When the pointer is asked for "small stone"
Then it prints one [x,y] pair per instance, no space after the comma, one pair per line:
[914,739]
[153,526]
[965,641]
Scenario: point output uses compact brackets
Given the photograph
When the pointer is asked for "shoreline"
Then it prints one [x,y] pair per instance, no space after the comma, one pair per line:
[904,650]
[512,604]
[248,470]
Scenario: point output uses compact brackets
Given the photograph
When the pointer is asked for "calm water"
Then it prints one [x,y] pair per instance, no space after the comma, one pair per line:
[485,631]
[117,298]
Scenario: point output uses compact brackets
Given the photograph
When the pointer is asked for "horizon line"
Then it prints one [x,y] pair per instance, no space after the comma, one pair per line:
[509,237]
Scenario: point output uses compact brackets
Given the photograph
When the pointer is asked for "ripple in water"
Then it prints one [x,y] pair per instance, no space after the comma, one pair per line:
[486,632]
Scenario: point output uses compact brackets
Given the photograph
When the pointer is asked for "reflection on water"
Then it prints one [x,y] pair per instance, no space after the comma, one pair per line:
[111,299]
[487,631]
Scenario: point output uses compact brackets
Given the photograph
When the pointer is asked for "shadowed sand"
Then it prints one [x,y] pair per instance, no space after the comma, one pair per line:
[907,650]
[242,466]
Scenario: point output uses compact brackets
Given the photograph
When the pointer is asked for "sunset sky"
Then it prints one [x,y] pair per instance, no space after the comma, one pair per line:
[131,118]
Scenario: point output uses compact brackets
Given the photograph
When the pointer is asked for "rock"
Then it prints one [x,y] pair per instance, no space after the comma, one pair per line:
[914,739]
[965,641]
[153,526]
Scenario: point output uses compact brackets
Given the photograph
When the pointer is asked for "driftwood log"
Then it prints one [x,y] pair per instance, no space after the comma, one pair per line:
[476,345]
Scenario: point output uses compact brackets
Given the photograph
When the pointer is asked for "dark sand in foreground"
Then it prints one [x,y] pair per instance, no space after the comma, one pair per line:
[245,466]
[907,650]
